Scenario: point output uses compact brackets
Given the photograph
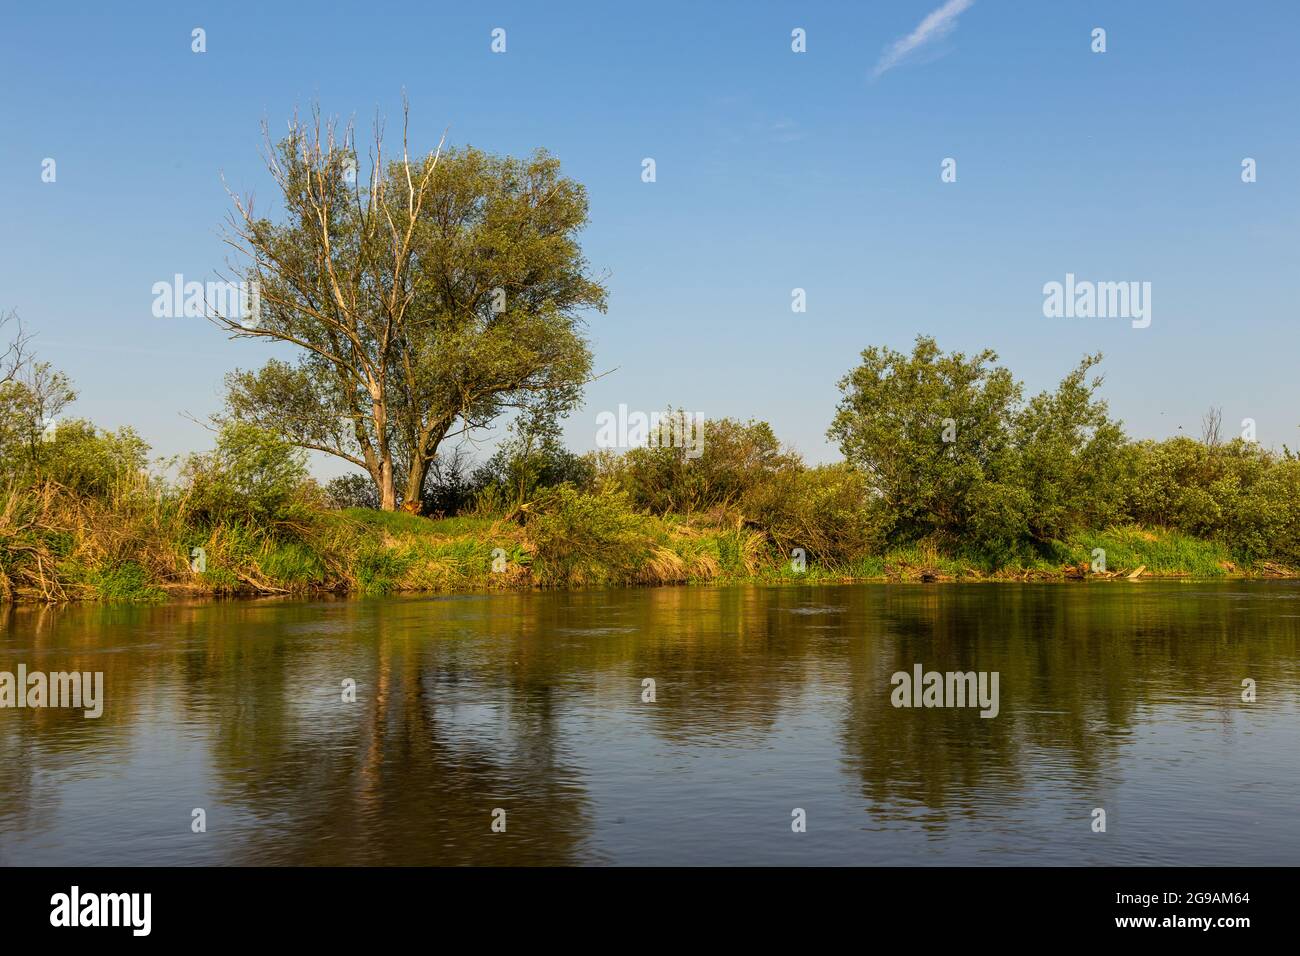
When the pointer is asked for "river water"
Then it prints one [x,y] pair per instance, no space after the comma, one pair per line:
[772,713]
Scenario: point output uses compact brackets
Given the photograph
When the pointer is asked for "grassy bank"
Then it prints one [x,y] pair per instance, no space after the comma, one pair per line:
[58,546]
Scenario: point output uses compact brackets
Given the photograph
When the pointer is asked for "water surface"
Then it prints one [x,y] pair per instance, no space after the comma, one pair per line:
[1119,696]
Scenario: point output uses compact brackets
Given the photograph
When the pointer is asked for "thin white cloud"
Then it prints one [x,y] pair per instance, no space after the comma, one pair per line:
[935,26]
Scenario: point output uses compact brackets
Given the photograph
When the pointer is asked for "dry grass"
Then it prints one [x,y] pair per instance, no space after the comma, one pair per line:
[27,563]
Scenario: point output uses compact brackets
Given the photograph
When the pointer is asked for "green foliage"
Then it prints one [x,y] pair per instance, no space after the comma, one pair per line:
[828,511]
[997,528]
[448,488]
[394,522]
[953,453]
[93,462]
[1129,547]
[37,445]
[1022,488]
[1237,493]
[929,431]
[729,460]
[1069,458]
[731,553]
[378,570]
[351,491]
[455,290]
[252,476]
[122,581]
[584,538]
[1170,485]
[32,395]
[461,525]
[292,564]
[529,460]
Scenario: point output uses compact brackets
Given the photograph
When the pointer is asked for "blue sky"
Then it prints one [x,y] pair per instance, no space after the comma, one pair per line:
[775,170]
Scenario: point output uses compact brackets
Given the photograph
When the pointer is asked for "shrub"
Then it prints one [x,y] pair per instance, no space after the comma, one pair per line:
[252,476]
[1170,486]
[351,491]
[32,396]
[1237,493]
[958,458]
[1069,461]
[524,465]
[449,489]
[828,511]
[581,538]
[998,527]
[730,459]
[928,429]
[86,460]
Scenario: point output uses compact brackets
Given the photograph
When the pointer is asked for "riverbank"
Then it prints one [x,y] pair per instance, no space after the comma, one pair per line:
[1048,489]
[60,554]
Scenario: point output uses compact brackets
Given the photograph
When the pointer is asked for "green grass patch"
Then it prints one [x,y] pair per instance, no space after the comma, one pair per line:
[1162,552]
[123,581]
[396,522]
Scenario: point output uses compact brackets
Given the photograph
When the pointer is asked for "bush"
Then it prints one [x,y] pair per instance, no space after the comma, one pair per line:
[828,511]
[92,462]
[528,462]
[351,491]
[928,429]
[1237,493]
[957,458]
[1170,486]
[32,396]
[1069,461]
[586,539]
[252,476]
[998,529]
[449,490]
[727,460]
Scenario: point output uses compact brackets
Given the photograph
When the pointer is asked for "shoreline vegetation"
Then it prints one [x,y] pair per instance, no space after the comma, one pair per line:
[131,557]
[440,296]
[245,520]
[948,476]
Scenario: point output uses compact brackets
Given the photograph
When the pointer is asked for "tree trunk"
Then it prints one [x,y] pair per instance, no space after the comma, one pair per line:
[418,469]
[387,487]
[415,481]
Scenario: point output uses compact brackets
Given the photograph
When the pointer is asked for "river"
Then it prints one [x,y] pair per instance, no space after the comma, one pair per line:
[517,729]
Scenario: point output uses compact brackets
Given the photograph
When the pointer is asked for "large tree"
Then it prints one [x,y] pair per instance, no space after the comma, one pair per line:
[931,432]
[950,447]
[424,301]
